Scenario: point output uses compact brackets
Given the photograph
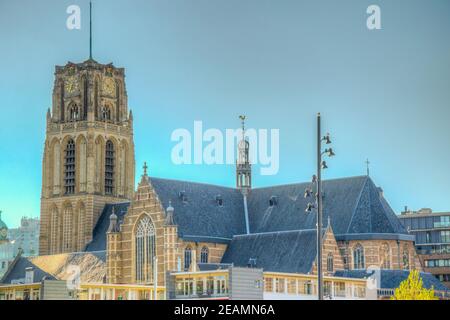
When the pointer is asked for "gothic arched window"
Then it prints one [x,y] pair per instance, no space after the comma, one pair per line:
[69,177]
[187,258]
[109,167]
[145,250]
[330,265]
[385,256]
[54,230]
[358,257]
[204,255]
[74,113]
[67,230]
[106,113]
[405,259]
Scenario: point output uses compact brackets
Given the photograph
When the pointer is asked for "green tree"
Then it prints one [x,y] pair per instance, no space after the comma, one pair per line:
[412,289]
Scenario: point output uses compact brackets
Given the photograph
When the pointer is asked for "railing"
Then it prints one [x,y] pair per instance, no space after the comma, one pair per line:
[441,224]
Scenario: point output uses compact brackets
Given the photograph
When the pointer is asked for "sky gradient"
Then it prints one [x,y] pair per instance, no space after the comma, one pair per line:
[383,94]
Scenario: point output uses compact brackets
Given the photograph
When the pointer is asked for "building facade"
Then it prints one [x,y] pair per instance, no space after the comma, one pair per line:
[88,154]
[432,232]
[26,236]
[91,215]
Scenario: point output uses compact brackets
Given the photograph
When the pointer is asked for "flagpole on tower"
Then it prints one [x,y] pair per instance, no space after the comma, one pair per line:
[90,30]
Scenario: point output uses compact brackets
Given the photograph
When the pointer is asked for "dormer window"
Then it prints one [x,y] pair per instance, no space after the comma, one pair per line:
[182,196]
[219,200]
[273,201]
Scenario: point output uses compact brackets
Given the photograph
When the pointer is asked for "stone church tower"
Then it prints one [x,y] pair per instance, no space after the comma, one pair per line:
[88,154]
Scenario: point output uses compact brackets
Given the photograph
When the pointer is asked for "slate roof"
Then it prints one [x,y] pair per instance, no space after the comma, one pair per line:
[98,242]
[199,215]
[213,266]
[286,251]
[391,279]
[57,267]
[18,272]
[354,205]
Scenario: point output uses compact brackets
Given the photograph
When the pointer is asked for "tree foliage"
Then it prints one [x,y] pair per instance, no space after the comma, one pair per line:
[412,289]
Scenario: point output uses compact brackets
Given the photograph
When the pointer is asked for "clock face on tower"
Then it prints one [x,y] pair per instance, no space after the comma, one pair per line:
[3,233]
[109,87]
[71,85]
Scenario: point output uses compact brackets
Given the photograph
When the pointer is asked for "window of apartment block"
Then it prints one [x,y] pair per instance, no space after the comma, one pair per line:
[279,285]
[268,284]
[292,286]
[445,236]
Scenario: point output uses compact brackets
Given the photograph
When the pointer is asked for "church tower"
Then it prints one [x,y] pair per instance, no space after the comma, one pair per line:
[243,166]
[244,171]
[88,154]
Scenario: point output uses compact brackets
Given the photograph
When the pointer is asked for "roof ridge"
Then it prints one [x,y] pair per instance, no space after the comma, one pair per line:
[303,182]
[256,188]
[275,232]
[193,182]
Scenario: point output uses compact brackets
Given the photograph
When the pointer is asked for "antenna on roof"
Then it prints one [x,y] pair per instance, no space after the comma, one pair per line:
[367,166]
[90,30]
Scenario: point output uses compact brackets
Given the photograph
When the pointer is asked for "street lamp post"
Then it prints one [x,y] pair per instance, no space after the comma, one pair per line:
[319,212]
[317,179]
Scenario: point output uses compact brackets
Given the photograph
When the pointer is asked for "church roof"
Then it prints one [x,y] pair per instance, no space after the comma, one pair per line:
[198,213]
[355,206]
[98,242]
[210,213]
[282,251]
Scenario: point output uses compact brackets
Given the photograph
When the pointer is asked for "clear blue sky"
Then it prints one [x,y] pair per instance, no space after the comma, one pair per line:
[384,94]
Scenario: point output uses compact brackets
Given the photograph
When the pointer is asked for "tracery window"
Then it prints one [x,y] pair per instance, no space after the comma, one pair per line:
[358,257]
[67,230]
[69,178]
[385,256]
[106,113]
[109,167]
[74,113]
[187,258]
[54,230]
[204,255]
[330,266]
[145,250]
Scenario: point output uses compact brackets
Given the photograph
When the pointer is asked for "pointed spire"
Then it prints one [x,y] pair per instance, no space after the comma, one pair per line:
[169,215]
[242,117]
[329,222]
[113,226]
[367,166]
[243,166]
[145,168]
[144,178]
